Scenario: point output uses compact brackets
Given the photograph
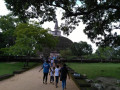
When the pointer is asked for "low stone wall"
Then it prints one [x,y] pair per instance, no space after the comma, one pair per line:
[100,83]
[80,80]
[37,59]
[19,59]
[91,61]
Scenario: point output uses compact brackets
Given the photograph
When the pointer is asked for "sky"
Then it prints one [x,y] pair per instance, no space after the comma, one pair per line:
[76,36]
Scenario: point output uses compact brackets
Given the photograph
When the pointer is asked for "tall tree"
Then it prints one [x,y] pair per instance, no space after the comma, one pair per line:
[100,16]
[30,38]
[117,52]
[66,53]
[8,24]
[105,53]
[81,48]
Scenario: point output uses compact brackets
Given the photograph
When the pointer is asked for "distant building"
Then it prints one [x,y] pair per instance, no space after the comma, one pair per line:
[63,42]
[56,31]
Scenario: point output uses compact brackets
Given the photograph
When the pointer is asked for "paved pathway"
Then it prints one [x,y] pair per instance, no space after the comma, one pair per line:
[32,80]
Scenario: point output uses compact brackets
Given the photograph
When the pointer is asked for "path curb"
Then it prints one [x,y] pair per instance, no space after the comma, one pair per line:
[79,80]
[6,76]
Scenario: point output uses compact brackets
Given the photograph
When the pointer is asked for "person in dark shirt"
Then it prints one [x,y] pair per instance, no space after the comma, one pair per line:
[63,76]
[56,62]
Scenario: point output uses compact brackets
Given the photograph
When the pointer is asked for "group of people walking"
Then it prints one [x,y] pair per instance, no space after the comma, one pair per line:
[56,70]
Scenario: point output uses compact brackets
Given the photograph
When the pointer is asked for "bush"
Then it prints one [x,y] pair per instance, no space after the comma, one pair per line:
[71,57]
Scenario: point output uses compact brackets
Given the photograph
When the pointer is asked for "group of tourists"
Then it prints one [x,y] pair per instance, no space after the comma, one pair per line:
[54,69]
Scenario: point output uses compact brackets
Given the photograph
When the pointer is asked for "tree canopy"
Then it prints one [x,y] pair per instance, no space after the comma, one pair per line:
[81,48]
[31,38]
[100,16]
[105,53]
[67,53]
[8,24]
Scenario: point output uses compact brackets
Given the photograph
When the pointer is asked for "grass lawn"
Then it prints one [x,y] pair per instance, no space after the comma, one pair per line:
[9,67]
[93,70]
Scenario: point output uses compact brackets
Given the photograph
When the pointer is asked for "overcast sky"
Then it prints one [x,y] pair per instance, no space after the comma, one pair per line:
[76,36]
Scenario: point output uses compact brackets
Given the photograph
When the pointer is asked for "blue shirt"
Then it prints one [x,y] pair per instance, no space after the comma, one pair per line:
[46,67]
[54,58]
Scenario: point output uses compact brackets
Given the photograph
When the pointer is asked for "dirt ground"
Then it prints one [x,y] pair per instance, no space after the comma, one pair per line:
[32,80]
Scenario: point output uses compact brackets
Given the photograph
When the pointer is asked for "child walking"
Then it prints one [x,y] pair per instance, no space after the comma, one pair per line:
[52,70]
[57,71]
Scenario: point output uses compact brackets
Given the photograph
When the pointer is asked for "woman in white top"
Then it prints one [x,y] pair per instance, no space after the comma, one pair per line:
[57,71]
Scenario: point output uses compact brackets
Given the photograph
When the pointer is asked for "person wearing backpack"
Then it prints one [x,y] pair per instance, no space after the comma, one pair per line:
[63,76]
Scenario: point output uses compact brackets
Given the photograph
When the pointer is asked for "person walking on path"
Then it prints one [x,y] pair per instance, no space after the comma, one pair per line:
[45,68]
[57,71]
[63,76]
[52,71]
[56,62]
[51,62]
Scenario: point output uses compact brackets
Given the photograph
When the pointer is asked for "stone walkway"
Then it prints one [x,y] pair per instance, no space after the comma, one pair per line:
[32,80]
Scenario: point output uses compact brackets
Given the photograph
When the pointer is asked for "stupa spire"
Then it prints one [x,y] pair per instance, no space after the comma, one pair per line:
[56,25]
[56,31]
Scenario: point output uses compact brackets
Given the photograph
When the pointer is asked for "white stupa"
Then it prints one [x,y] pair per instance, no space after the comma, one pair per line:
[56,31]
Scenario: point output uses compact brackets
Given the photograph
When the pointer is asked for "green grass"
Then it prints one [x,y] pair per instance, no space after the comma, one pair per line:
[93,70]
[9,67]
